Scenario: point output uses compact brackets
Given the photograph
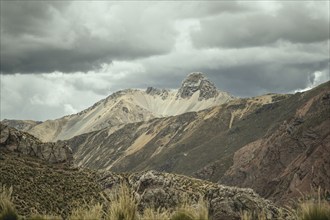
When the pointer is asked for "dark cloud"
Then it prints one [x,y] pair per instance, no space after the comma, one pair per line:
[200,9]
[41,37]
[253,80]
[293,22]
[28,17]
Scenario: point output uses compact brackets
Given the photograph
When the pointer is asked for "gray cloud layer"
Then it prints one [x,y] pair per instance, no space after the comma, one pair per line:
[78,36]
[298,23]
[58,57]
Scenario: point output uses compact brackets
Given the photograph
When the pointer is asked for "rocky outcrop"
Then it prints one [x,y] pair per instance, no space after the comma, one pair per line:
[24,143]
[197,82]
[164,190]
[158,92]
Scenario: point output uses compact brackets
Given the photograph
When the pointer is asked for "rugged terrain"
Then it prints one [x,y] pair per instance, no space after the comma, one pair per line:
[128,106]
[276,144]
[237,143]
[292,158]
[57,188]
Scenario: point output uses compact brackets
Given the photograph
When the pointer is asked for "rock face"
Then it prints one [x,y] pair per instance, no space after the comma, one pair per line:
[24,143]
[197,82]
[130,106]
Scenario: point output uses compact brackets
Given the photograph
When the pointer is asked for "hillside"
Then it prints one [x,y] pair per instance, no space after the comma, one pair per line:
[294,157]
[57,188]
[129,106]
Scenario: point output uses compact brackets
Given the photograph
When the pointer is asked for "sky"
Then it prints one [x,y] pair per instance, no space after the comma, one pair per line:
[60,57]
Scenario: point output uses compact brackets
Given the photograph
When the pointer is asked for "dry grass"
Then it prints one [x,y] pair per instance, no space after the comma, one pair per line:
[155,214]
[44,217]
[191,211]
[314,207]
[123,205]
[7,207]
[87,212]
[245,215]
[311,210]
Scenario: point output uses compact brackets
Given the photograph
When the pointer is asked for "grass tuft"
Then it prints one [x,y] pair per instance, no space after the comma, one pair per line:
[123,205]
[314,207]
[87,212]
[314,211]
[248,215]
[153,214]
[189,211]
[7,207]
[44,217]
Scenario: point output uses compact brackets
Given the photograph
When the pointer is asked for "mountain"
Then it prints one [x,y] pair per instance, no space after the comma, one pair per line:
[128,106]
[38,184]
[276,144]
[294,157]
[270,137]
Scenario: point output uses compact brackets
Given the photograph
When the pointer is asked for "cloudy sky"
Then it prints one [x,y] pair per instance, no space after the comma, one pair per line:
[59,57]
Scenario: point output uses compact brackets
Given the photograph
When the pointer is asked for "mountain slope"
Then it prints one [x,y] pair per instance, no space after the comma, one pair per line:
[294,158]
[171,143]
[210,143]
[132,105]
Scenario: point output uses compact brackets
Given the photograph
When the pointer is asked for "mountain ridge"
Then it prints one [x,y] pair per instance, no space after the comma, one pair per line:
[132,105]
[214,138]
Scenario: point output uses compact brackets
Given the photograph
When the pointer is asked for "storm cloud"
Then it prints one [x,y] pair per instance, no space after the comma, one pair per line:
[39,37]
[59,57]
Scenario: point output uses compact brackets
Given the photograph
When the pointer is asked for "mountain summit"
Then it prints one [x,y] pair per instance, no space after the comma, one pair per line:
[131,105]
[195,82]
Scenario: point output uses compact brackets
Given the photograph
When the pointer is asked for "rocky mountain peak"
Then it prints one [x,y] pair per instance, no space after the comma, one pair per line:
[194,82]
[160,92]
